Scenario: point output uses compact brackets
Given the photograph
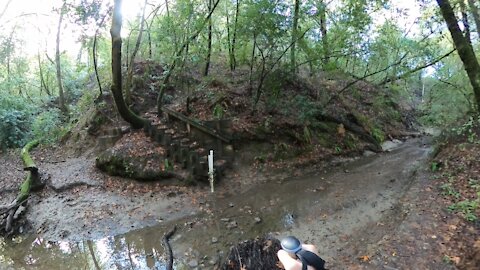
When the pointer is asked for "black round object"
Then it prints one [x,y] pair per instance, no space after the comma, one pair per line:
[291,244]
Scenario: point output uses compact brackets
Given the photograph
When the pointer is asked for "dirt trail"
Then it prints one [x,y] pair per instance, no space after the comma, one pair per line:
[367,207]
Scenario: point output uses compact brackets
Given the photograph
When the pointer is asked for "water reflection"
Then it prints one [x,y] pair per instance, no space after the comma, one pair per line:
[200,241]
[115,252]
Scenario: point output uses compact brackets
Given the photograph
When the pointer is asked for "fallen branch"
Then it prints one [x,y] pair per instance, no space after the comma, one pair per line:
[31,179]
[166,238]
[352,127]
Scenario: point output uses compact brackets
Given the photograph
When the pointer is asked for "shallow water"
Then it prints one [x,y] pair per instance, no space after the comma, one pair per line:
[330,210]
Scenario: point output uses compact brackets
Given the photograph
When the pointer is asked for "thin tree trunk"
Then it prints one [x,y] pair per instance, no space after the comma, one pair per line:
[476,14]
[149,40]
[323,30]
[61,103]
[124,111]
[43,84]
[95,66]
[229,41]
[294,37]
[10,48]
[94,54]
[128,85]
[174,32]
[178,55]
[252,61]
[5,8]
[465,50]
[209,45]
[234,40]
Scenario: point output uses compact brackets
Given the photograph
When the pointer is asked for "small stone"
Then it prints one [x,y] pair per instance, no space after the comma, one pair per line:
[368,153]
[225,219]
[257,220]
[193,263]
[214,240]
[231,204]
[232,225]
[213,261]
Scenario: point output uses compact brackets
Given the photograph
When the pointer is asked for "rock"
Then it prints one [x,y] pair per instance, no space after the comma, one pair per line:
[232,225]
[213,261]
[122,163]
[391,145]
[193,263]
[257,220]
[231,204]
[214,240]
[368,153]
[225,219]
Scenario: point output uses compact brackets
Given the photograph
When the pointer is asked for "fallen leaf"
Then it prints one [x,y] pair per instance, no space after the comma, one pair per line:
[364,258]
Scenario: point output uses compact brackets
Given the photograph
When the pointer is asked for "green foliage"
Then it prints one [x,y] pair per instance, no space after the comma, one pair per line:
[283,151]
[473,183]
[449,190]
[218,111]
[307,134]
[469,129]
[305,109]
[434,166]
[167,166]
[15,120]
[378,134]
[48,126]
[338,149]
[467,208]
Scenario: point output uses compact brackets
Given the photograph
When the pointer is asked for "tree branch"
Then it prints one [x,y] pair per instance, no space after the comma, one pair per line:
[178,54]
[406,74]
[363,78]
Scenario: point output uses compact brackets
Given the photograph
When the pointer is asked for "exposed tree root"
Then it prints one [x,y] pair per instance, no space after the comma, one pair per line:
[259,253]
[352,127]
[166,238]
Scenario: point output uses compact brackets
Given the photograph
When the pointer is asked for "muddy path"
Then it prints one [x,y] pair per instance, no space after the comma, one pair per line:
[346,210]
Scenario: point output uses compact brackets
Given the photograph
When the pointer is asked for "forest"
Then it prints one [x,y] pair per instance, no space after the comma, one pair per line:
[212,116]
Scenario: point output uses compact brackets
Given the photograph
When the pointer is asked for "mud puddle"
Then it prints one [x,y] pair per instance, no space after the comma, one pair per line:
[353,204]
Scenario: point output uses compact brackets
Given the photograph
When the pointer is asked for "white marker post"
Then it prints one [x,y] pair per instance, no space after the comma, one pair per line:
[210,169]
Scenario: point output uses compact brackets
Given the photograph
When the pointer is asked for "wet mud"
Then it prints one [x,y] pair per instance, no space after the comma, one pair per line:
[341,209]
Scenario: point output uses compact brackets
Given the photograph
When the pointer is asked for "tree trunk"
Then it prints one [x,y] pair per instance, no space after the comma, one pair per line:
[128,86]
[149,40]
[94,55]
[476,14]
[294,37]
[354,128]
[252,62]
[124,111]
[174,32]
[209,44]
[229,41]
[323,30]
[61,100]
[466,24]
[43,84]
[234,40]
[465,49]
